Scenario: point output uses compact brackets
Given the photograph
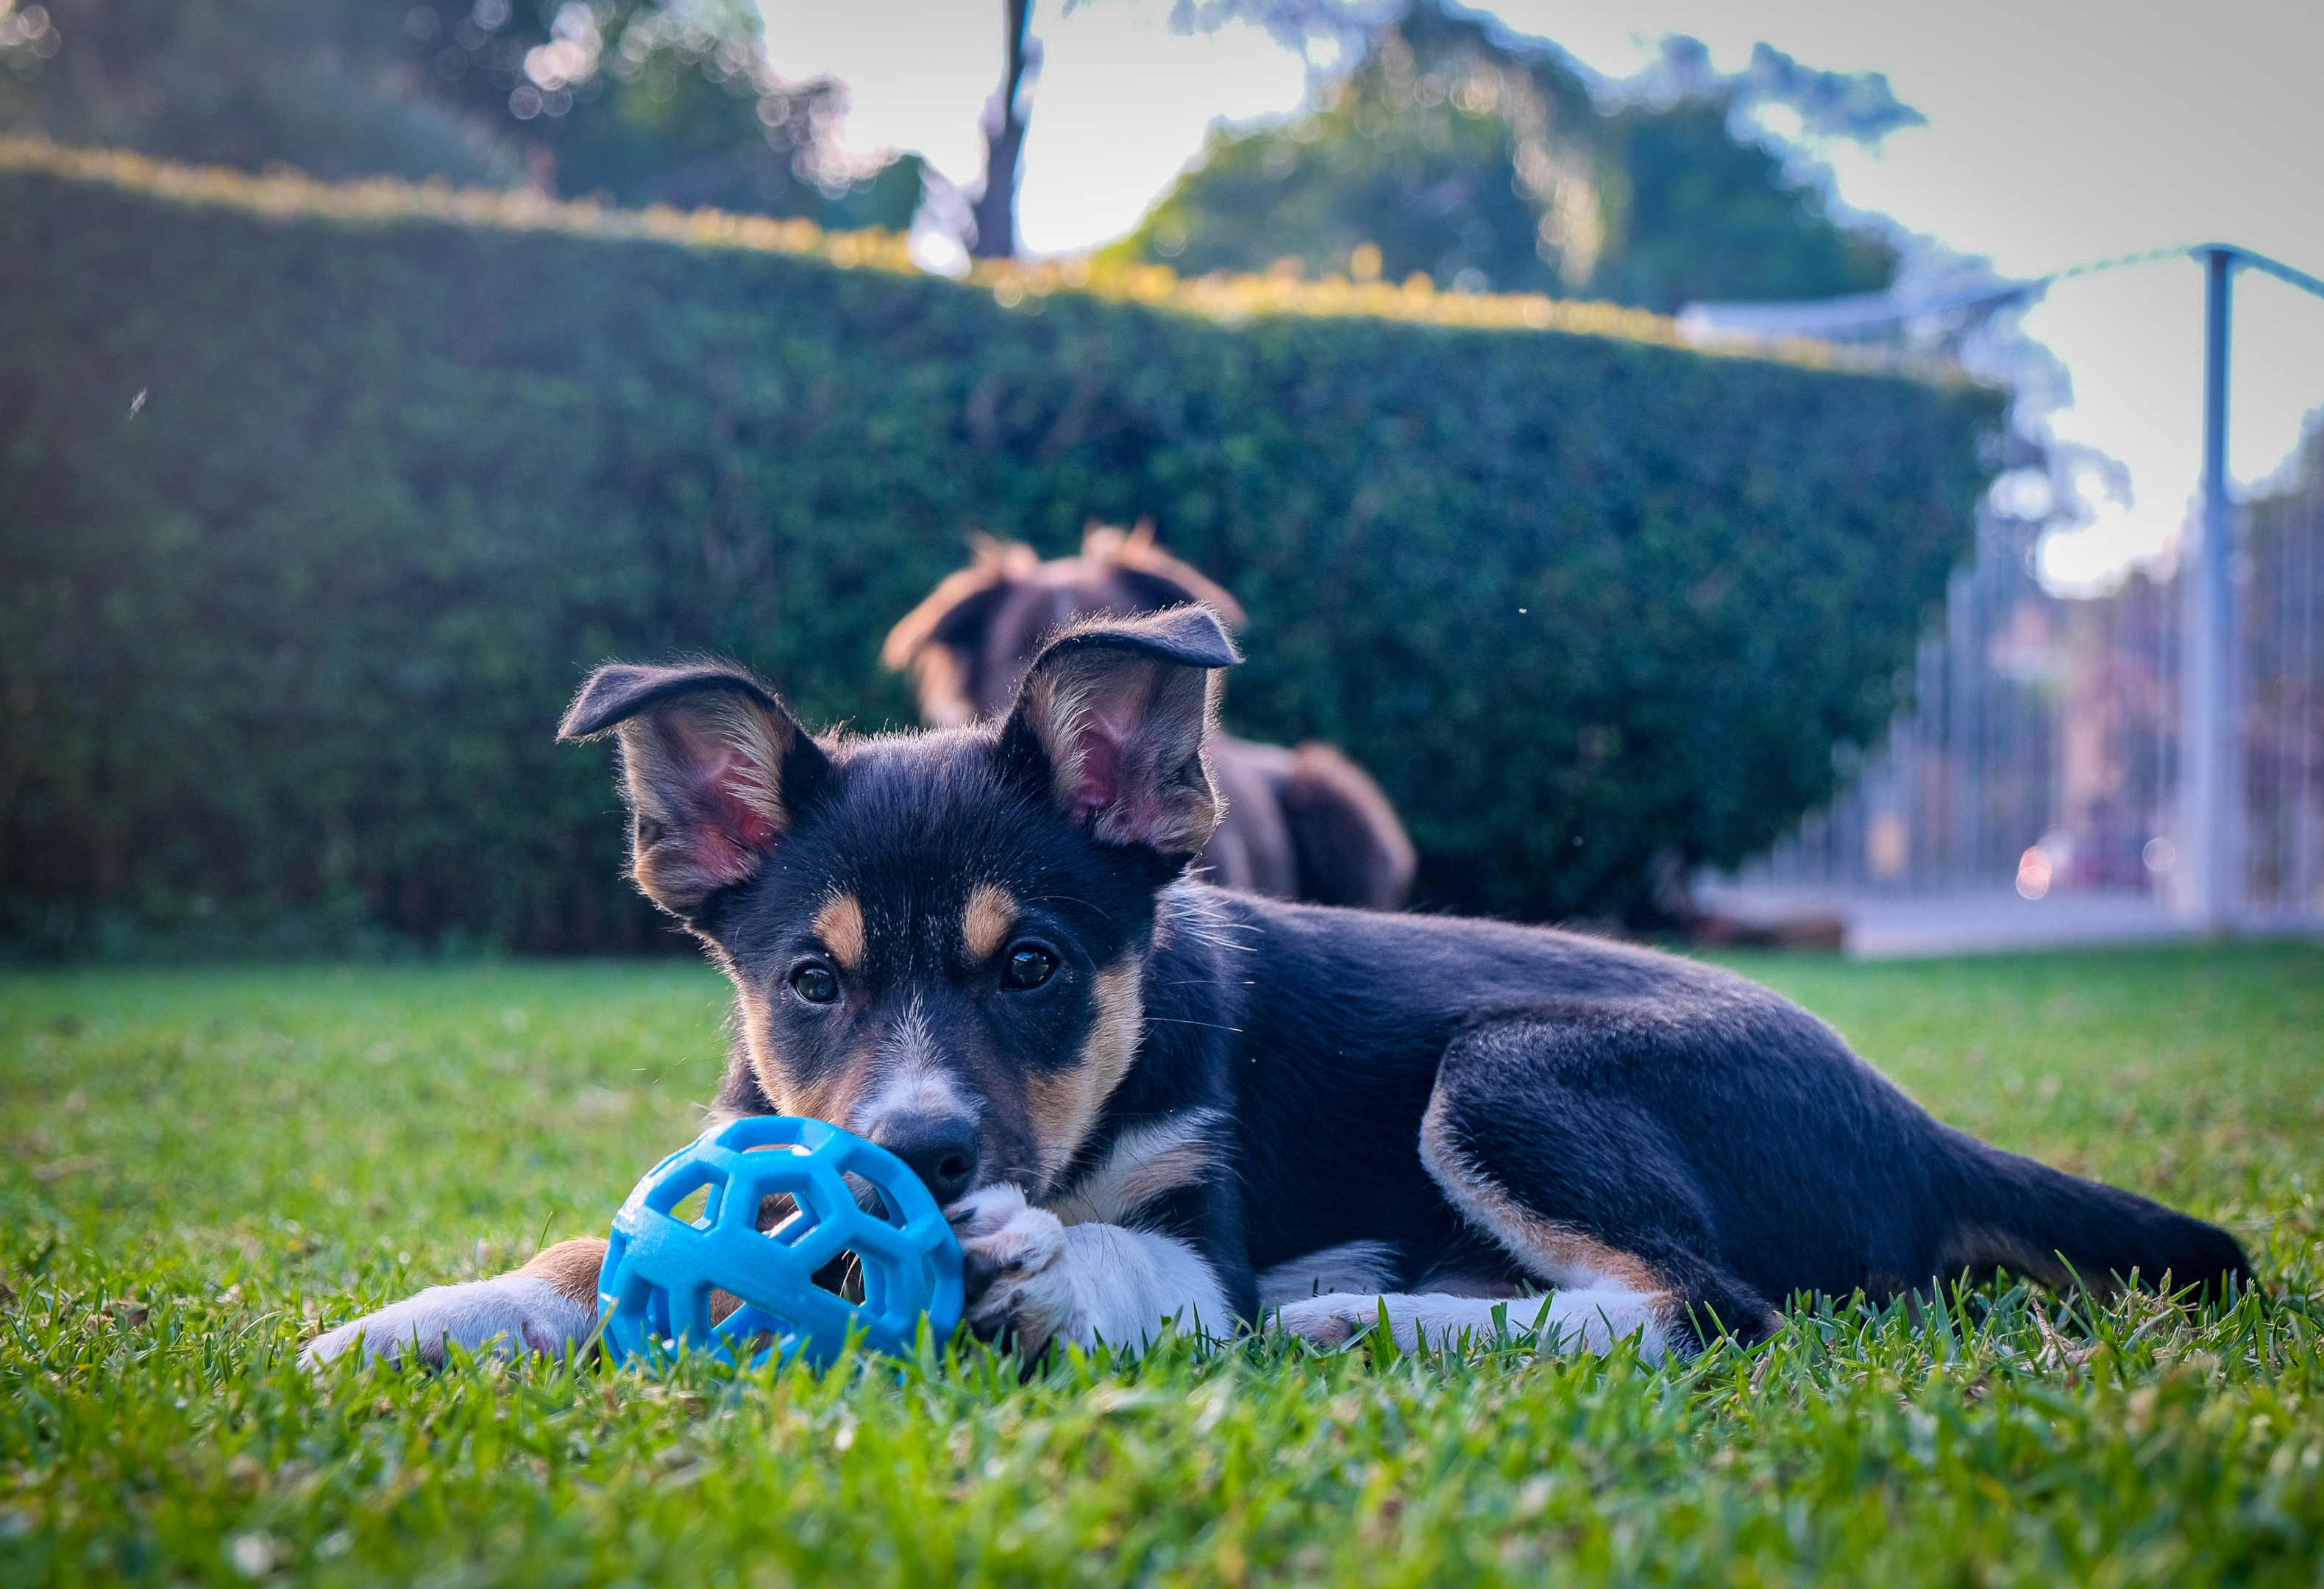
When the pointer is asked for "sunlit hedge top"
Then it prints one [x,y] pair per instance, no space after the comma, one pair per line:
[1014,283]
[285,645]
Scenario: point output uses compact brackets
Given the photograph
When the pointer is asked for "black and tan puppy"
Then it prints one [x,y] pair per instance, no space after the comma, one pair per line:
[1300,823]
[1147,1099]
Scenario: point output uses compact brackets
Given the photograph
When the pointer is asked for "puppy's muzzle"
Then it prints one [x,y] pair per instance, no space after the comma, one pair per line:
[940,1149]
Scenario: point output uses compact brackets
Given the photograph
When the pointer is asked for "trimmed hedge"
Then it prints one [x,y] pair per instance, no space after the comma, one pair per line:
[285,645]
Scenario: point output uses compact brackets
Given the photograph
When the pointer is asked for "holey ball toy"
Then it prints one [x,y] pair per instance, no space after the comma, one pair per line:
[654,1289]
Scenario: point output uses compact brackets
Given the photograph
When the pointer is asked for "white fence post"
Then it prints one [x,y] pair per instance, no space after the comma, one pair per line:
[2209,890]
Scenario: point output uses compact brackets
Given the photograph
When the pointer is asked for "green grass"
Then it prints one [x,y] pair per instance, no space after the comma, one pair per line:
[199,1164]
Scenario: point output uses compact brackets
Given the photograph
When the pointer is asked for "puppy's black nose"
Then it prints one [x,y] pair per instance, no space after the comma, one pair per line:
[941,1150]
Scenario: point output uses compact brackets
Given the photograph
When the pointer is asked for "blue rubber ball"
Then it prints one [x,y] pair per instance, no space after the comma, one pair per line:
[654,1289]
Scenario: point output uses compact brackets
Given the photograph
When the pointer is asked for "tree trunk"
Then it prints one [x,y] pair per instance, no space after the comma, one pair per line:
[995,211]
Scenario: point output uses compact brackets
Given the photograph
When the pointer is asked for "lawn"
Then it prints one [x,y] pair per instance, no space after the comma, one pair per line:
[200,1164]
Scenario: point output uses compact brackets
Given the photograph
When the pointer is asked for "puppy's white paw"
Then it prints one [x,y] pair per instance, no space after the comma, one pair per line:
[1333,1319]
[1013,1261]
[513,1314]
[1588,1320]
[1437,1320]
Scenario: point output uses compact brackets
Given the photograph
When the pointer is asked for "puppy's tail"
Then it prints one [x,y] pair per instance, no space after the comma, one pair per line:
[2028,1217]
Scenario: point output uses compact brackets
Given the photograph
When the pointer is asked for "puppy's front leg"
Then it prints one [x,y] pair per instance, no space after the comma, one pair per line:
[547,1305]
[1035,1281]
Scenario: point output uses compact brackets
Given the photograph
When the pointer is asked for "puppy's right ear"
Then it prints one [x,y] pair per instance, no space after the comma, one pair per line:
[715,769]
[1111,719]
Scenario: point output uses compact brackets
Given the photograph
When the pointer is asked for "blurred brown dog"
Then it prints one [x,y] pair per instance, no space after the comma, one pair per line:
[1301,824]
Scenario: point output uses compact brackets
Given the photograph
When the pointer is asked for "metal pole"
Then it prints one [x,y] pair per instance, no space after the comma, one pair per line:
[2208,848]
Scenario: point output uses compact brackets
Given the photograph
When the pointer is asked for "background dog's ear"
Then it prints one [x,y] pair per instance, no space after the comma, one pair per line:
[1152,578]
[715,769]
[1112,718]
[940,643]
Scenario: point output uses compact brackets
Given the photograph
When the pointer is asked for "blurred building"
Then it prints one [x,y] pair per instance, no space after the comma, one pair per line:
[2033,790]
[2143,762]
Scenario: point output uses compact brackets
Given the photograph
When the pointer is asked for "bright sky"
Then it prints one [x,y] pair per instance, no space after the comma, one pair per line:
[2057,134]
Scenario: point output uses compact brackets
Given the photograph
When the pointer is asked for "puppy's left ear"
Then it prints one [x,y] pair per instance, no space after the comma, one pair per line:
[1110,719]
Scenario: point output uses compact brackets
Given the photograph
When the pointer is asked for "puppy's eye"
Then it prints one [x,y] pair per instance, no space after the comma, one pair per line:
[815,984]
[1028,965]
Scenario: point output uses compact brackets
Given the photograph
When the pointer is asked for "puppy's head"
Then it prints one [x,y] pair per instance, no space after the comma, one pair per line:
[935,940]
[968,646]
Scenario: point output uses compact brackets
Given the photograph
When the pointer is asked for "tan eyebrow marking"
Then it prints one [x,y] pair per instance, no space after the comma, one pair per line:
[840,925]
[991,912]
